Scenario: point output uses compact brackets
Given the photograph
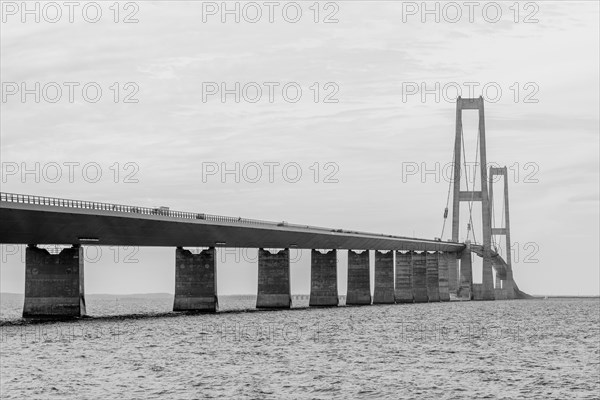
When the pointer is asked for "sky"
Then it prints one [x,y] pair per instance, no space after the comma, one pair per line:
[178,104]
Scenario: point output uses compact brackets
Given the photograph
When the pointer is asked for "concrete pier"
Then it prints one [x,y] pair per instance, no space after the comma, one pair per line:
[384,278]
[54,283]
[501,291]
[323,279]
[274,279]
[443,261]
[500,294]
[195,281]
[404,288]
[466,275]
[359,278]
[432,277]
[487,278]
[419,264]
[453,275]
[480,293]
[508,285]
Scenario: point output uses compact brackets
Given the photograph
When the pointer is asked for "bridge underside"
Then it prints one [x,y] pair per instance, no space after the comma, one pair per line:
[37,224]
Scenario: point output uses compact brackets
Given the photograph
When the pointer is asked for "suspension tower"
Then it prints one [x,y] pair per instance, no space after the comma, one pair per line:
[485,291]
[507,284]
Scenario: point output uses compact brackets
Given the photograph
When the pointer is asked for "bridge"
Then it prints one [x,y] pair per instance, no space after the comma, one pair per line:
[407,270]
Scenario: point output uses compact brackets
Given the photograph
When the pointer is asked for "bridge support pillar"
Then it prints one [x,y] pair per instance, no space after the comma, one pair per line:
[466,275]
[500,294]
[485,291]
[443,261]
[195,281]
[432,277]
[508,285]
[359,278]
[54,283]
[404,277]
[323,279]
[500,288]
[274,279]
[384,278]
[453,275]
[419,264]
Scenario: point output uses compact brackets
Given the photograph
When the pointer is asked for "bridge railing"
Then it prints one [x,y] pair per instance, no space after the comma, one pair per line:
[163,211]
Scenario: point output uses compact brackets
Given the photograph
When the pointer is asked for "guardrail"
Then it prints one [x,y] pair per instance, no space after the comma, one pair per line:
[93,205]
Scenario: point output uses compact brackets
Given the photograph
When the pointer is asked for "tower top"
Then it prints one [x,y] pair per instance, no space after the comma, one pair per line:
[469,103]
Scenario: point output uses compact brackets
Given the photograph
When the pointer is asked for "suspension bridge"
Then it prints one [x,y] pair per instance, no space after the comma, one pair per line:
[407,270]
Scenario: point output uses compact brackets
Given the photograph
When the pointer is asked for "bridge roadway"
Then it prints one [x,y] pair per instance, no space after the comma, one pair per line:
[26,219]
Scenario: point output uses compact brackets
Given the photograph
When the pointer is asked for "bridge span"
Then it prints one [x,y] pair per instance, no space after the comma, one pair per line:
[47,220]
[407,270]
[54,282]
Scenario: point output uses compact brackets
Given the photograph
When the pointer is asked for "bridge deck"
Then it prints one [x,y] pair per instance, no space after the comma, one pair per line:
[28,219]
[497,261]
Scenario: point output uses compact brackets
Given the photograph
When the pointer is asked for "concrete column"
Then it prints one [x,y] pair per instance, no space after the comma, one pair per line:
[384,278]
[432,277]
[500,294]
[487,276]
[487,285]
[54,283]
[274,279]
[359,278]
[195,281]
[508,285]
[485,290]
[457,177]
[466,275]
[509,282]
[443,259]
[404,273]
[323,279]
[453,275]
[419,264]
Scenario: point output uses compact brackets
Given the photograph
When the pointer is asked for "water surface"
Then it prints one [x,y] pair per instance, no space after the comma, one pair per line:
[505,349]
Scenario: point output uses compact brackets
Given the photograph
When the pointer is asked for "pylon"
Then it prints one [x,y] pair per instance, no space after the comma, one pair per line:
[508,282]
[486,290]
